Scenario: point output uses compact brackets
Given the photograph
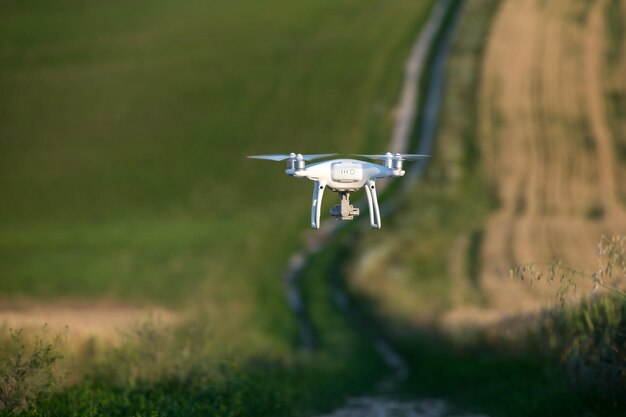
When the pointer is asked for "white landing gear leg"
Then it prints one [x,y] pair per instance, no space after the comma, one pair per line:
[316,205]
[372,200]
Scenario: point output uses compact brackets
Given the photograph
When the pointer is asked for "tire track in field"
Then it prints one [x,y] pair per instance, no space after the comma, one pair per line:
[597,111]
[615,85]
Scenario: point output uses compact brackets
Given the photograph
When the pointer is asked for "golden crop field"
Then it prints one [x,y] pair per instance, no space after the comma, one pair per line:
[549,142]
[530,166]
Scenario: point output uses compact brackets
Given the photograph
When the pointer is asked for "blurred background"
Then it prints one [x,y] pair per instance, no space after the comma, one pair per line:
[132,224]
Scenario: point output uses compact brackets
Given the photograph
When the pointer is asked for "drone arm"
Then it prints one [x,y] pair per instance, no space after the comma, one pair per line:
[372,200]
[316,205]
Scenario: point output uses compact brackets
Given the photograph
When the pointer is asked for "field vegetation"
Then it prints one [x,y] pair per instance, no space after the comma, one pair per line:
[123,128]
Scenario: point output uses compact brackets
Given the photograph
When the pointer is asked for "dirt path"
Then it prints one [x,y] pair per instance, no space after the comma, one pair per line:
[382,407]
[384,404]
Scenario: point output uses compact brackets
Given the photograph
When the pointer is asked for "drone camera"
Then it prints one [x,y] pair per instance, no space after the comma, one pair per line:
[344,210]
[347,213]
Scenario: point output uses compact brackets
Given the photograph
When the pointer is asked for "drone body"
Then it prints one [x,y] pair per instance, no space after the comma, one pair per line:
[343,176]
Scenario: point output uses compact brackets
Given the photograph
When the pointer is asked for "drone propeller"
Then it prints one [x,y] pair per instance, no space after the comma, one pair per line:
[282,157]
[396,156]
[412,156]
[277,157]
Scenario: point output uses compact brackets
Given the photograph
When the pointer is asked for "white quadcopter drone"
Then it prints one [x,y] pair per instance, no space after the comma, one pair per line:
[344,176]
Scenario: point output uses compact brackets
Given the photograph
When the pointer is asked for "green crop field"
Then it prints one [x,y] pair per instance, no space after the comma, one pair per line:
[124,126]
[123,131]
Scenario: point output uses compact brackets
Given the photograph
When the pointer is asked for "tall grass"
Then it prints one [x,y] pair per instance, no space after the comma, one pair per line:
[587,336]
[590,341]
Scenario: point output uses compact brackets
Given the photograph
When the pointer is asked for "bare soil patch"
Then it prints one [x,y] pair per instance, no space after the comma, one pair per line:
[82,319]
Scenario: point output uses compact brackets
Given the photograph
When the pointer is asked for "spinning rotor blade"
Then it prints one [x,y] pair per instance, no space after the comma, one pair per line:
[403,156]
[277,157]
[381,157]
[282,157]
[318,156]
[412,156]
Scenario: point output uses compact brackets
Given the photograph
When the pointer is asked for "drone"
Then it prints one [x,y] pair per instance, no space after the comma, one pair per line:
[344,176]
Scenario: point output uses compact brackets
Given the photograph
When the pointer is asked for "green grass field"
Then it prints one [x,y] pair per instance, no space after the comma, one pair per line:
[124,126]
[123,131]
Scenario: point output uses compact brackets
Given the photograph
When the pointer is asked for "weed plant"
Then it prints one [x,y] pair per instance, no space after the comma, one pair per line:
[588,337]
[28,370]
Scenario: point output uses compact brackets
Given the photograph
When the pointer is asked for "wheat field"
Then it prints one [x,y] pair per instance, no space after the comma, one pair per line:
[547,144]
[530,166]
